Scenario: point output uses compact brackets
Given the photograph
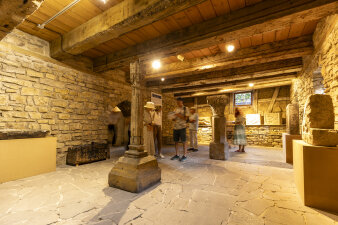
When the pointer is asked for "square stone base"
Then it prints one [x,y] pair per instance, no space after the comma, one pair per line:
[287,146]
[20,158]
[134,174]
[219,151]
[315,173]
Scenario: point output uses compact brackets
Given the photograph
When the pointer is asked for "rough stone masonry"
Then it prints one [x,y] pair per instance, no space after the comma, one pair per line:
[37,92]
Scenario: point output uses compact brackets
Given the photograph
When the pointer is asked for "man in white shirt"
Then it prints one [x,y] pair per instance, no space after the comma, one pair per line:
[180,125]
[157,121]
[193,128]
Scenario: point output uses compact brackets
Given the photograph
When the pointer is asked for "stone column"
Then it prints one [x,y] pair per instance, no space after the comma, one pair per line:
[218,148]
[136,170]
[292,119]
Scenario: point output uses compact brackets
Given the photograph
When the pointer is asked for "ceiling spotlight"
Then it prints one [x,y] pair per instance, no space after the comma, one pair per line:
[230,48]
[180,57]
[104,1]
[207,67]
[251,85]
[162,79]
[156,64]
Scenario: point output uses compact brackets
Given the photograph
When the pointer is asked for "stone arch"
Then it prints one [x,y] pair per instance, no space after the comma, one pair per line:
[118,124]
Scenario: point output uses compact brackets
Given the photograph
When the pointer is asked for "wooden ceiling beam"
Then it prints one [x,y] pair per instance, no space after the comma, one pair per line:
[269,15]
[212,78]
[12,13]
[123,17]
[243,86]
[287,49]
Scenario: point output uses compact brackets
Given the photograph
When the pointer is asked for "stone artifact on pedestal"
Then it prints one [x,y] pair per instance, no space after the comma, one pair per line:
[315,159]
[87,153]
[218,148]
[292,129]
[136,170]
[318,121]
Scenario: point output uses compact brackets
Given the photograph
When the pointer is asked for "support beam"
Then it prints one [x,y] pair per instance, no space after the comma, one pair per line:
[286,49]
[12,13]
[262,17]
[122,18]
[230,75]
[243,86]
[273,100]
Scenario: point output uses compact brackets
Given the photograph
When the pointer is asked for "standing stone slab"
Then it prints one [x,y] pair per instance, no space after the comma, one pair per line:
[272,119]
[136,170]
[219,148]
[292,119]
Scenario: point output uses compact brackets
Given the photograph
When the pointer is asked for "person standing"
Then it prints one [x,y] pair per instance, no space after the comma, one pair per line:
[180,126]
[148,135]
[239,132]
[157,121]
[193,128]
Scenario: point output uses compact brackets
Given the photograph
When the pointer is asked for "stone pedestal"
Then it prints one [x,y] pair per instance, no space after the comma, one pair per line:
[288,147]
[315,172]
[292,119]
[136,170]
[218,148]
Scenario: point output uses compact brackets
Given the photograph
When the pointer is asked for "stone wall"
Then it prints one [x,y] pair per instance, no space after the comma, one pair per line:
[321,68]
[169,104]
[268,136]
[37,92]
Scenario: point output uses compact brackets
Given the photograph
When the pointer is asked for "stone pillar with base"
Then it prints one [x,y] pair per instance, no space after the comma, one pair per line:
[292,129]
[136,170]
[218,148]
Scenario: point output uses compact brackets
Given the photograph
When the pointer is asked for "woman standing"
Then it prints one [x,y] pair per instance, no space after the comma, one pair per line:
[148,129]
[239,132]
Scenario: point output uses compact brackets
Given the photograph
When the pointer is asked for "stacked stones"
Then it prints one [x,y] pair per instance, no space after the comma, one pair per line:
[42,94]
[169,104]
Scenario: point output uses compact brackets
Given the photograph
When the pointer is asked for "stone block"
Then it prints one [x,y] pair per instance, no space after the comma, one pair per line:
[87,153]
[321,137]
[134,174]
[315,173]
[288,146]
[219,151]
[29,91]
[272,119]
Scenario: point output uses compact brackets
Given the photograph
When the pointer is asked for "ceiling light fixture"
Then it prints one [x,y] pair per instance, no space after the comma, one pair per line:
[207,67]
[156,64]
[251,85]
[162,79]
[230,48]
[104,1]
[180,57]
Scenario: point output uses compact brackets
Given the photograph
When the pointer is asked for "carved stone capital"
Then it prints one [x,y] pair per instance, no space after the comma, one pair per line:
[217,104]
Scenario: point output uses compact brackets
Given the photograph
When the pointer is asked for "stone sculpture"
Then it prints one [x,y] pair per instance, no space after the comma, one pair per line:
[318,121]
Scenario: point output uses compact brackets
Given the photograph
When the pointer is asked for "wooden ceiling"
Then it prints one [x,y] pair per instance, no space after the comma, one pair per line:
[194,16]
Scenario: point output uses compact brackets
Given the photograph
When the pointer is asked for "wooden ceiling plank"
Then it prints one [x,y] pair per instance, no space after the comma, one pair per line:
[236,4]
[257,39]
[221,7]
[309,27]
[269,36]
[251,2]
[296,30]
[194,15]
[182,19]
[245,42]
[206,9]
[282,34]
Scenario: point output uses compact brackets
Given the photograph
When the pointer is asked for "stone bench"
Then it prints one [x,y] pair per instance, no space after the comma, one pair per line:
[87,153]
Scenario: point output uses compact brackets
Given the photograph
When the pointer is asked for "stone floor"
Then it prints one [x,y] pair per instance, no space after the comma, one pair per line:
[252,188]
